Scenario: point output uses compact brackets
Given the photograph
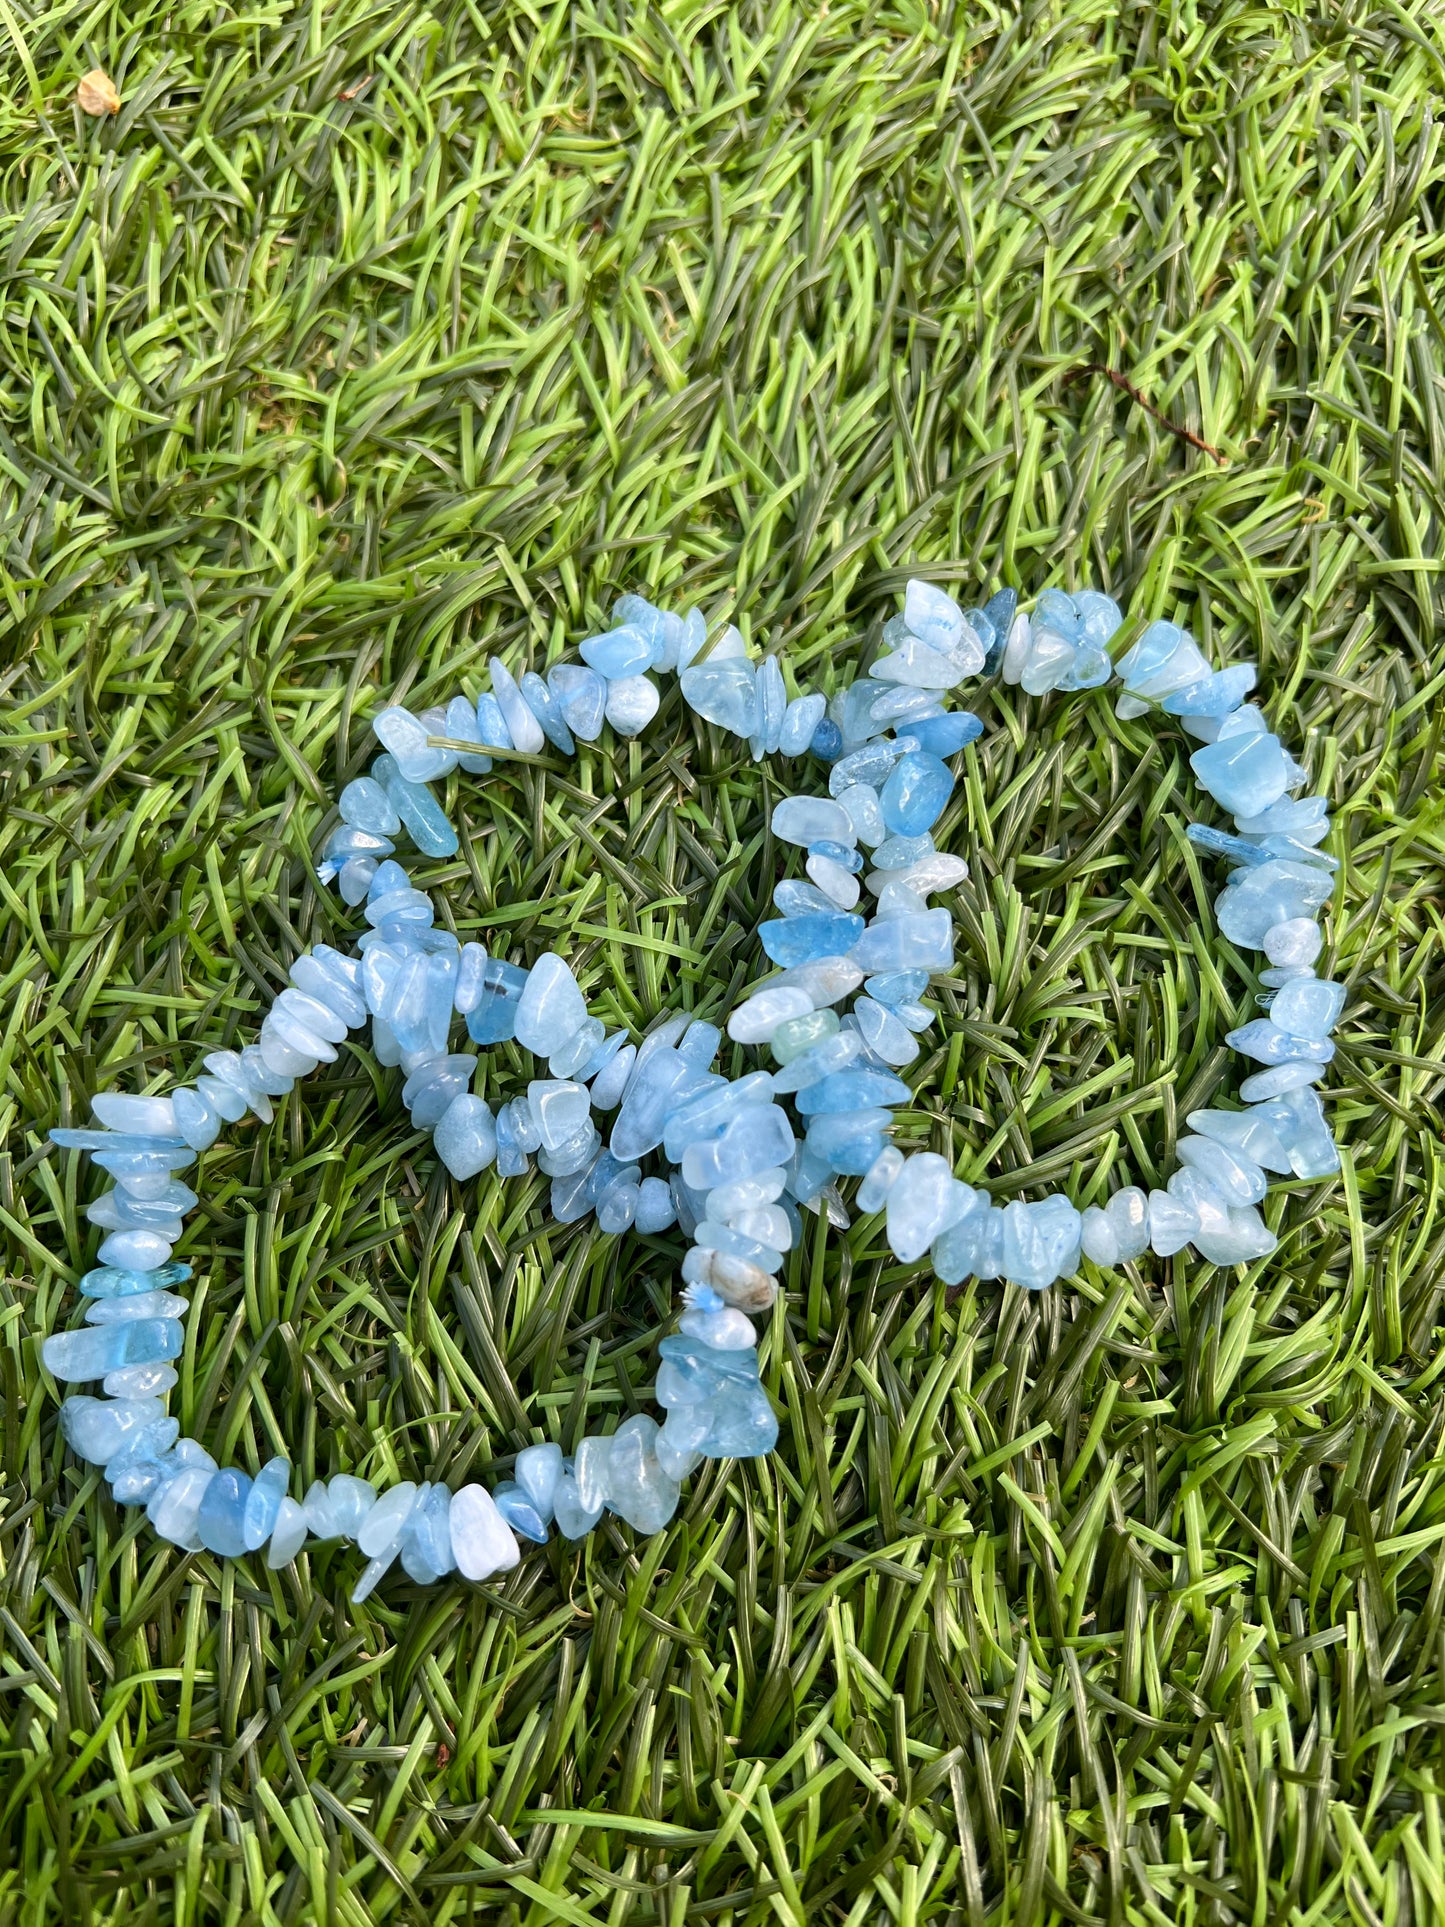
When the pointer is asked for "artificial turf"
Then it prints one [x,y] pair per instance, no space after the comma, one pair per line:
[365,341]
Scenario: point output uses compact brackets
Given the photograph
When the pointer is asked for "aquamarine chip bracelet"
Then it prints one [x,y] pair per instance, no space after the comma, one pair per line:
[739,1168]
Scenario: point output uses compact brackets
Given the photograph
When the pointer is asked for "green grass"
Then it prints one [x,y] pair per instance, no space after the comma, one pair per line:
[366,341]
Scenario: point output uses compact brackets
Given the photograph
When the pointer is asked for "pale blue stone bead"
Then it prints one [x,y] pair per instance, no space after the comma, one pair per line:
[140,1304]
[198,1122]
[722,1327]
[126,1143]
[1259,899]
[1305,818]
[693,639]
[342,996]
[1225,1235]
[1264,1041]
[364,804]
[620,653]
[574,1519]
[609,1083]
[551,1007]
[1173,1222]
[1128,1214]
[1249,1134]
[389,876]
[91,1353]
[559,1109]
[96,1429]
[796,899]
[581,695]
[106,1282]
[221,1519]
[616,1208]
[1057,610]
[318,1017]
[222,1097]
[632,702]
[655,1209]
[865,814]
[642,1117]
[811,820]
[755,1020]
[522,1122]
[520,1513]
[879,1179]
[571,1196]
[345,843]
[737,1244]
[1041,1242]
[1245,774]
[1049,660]
[848,1141]
[118,1211]
[263,1503]
[903,707]
[883,1031]
[522,724]
[1308,1007]
[385,1522]
[288,1535]
[1090,669]
[511,1158]
[134,1250]
[946,735]
[897,987]
[405,907]
[934,617]
[904,852]
[1237,1178]
[1216,694]
[972,1245]
[425,820]
[1099,616]
[1165,658]
[699,1043]
[426,1544]
[606,1052]
[853,1090]
[492,724]
[639,1490]
[1299,1122]
[867,768]
[538,1469]
[800,721]
[707,1113]
[548,711]
[145,1174]
[572,1057]
[431,1090]
[799,940]
[604,1172]
[723,692]
[840,855]
[591,1468]
[405,738]
[1278,1080]
[837,881]
[917,665]
[1237,848]
[1248,720]
[353,880]
[772,703]
[573,1154]
[175,1510]
[459,722]
[923,1200]
[664,632]
[690,1372]
[757,1136]
[467,989]
[818,1061]
[494,1017]
[916,942]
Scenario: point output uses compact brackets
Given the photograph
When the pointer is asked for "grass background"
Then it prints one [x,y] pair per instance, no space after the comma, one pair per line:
[367,340]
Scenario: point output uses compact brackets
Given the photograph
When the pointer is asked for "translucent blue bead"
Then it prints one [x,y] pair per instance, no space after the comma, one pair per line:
[801,720]
[1216,694]
[946,735]
[263,1503]
[811,820]
[548,711]
[622,652]
[1268,1044]
[581,696]
[425,820]
[433,1086]
[772,703]
[699,1043]
[405,737]
[1245,774]
[106,1282]
[1041,1242]
[550,1008]
[853,1090]
[1165,658]
[460,723]
[522,724]
[632,702]
[898,987]
[221,1522]
[365,805]
[917,942]
[1308,1007]
[520,1512]
[916,793]
[799,940]
[642,1117]
[839,853]
[827,742]
[757,1137]
[1257,900]
[492,723]
[723,692]
[98,1349]
[1099,616]
[494,1019]
[655,1208]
